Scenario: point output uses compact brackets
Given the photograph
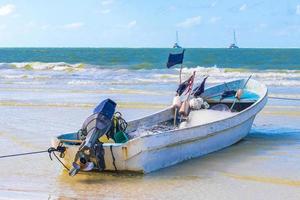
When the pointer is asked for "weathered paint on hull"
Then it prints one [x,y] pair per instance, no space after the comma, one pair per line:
[171,155]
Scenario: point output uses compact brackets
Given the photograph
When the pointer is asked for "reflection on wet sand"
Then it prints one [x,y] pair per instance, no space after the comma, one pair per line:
[245,162]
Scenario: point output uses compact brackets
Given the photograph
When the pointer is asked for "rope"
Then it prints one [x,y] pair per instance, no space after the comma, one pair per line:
[284,98]
[23,154]
[122,124]
[113,157]
[50,151]
[58,160]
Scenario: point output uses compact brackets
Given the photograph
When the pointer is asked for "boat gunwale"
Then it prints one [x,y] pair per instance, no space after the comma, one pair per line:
[186,141]
[175,131]
[210,123]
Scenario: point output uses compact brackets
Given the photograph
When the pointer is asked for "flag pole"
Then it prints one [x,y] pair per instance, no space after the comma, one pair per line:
[239,90]
[176,109]
[173,60]
[175,116]
[180,72]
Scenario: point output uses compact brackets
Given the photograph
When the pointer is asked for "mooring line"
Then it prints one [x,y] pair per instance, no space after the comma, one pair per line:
[23,154]
[52,150]
[284,98]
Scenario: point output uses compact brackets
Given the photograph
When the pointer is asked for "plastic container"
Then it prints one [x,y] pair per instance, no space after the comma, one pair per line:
[120,137]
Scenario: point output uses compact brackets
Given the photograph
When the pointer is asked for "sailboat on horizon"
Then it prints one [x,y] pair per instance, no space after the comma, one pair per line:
[176,44]
[234,44]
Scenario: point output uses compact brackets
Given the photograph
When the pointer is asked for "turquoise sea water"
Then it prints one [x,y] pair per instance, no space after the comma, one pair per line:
[145,58]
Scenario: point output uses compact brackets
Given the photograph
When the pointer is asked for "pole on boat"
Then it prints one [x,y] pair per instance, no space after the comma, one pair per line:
[239,92]
[177,98]
[185,107]
[175,116]
[180,72]
[175,59]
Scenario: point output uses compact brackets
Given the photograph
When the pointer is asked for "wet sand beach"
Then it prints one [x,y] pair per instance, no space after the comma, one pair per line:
[264,165]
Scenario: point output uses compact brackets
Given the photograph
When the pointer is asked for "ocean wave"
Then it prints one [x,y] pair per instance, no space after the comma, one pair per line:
[269,77]
[131,105]
[85,74]
[57,66]
[234,72]
[82,82]
[24,76]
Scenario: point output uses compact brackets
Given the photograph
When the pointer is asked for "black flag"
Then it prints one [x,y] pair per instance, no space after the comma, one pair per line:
[183,86]
[175,59]
[200,89]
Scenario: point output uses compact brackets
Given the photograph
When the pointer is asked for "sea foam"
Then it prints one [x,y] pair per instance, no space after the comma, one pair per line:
[85,74]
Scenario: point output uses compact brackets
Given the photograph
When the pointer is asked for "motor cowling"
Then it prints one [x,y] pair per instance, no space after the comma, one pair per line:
[91,151]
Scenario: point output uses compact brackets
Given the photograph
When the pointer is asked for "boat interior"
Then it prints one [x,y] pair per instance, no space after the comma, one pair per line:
[248,98]
[220,107]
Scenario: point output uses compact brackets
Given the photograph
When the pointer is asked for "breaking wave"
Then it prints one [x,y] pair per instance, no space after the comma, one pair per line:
[269,77]
[85,74]
[58,66]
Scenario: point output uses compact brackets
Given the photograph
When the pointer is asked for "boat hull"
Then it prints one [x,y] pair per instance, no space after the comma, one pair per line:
[153,159]
[152,152]
[185,150]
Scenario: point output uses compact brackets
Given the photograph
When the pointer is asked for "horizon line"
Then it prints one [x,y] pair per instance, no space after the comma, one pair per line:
[87,47]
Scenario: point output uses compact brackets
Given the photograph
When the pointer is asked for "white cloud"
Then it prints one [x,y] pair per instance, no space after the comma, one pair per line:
[298,9]
[75,25]
[243,7]
[7,9]
[190,22]
[289,30]
[131,24]
[213,4]
[106,11]
[3,27]
[107,2]
[45,27]
[172,8]
[16,15]
[214,19]
[30,24]
[262,25]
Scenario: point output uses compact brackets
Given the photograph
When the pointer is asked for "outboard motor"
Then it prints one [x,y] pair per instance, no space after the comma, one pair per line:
[91,151]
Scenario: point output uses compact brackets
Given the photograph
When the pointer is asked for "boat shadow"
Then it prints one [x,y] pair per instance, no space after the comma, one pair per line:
[259,144]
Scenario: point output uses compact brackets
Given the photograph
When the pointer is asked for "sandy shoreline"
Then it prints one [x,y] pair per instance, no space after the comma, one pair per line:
[262,166]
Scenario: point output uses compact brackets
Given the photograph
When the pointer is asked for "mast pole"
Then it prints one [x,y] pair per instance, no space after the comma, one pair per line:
[180,74]
[234,38]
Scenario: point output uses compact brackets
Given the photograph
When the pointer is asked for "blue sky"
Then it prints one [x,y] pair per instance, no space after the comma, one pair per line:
[137,23]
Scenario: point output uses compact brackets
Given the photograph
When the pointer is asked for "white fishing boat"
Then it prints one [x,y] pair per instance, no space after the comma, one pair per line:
[205,131]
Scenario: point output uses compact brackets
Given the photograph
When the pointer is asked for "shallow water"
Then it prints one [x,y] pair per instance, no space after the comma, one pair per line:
[263,165]
[37,105]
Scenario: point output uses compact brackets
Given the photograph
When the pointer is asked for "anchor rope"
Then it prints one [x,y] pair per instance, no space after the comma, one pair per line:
[23,154]
[284,98]
[50,151]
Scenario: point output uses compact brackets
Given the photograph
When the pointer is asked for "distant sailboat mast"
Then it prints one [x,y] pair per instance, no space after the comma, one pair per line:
[176,45]
[234,38]
[234,44]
